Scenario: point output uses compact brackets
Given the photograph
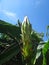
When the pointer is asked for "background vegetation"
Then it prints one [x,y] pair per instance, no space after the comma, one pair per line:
[21,45]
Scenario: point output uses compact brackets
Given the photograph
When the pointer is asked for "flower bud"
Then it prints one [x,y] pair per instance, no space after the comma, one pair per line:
[26,30]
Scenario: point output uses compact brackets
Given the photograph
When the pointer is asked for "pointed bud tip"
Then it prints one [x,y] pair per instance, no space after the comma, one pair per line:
[26,18]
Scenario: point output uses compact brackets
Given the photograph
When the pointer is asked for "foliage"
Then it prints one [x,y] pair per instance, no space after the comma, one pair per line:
[13,49]
[45,49]
[22,44]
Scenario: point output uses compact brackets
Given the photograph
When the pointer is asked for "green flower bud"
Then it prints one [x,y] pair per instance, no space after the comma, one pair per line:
[26,30]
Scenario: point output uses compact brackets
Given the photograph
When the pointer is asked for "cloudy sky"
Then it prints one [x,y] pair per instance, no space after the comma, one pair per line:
[36,10]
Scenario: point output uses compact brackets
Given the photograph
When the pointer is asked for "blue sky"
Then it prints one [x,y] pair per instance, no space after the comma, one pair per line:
[36,10]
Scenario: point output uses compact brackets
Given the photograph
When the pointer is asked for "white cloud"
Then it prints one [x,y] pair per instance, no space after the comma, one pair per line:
[8,13]
[9,16]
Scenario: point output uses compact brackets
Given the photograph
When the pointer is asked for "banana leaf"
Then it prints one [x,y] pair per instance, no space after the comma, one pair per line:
[13,31]
[10,29]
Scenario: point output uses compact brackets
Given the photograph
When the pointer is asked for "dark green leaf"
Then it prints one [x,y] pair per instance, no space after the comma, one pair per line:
[7,54]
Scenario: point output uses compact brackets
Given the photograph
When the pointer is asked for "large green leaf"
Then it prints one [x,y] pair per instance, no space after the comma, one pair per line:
[10,29]
[45,49]
[8,53]
[14,32]
[39,57]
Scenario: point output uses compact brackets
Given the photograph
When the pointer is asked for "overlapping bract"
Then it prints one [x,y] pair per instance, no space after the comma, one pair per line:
[26,30]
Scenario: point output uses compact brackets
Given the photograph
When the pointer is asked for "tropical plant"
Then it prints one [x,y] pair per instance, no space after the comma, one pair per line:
[13,49]
[22,45]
